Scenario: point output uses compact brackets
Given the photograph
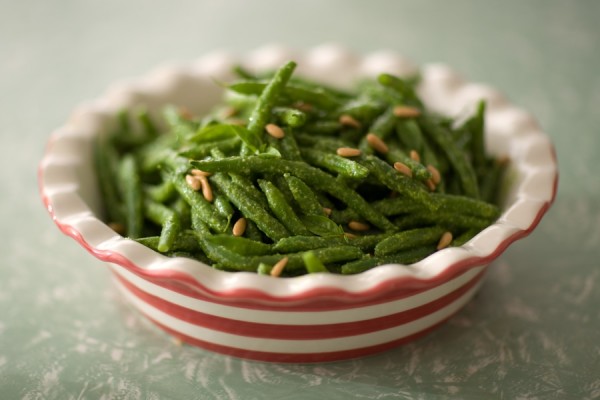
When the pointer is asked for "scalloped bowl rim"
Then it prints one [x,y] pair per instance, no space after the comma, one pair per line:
[61,193]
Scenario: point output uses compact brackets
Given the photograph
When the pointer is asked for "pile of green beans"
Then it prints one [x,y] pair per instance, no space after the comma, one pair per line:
[288,172]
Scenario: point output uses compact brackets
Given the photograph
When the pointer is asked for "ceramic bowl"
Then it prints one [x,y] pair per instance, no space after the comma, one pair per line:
[312,318]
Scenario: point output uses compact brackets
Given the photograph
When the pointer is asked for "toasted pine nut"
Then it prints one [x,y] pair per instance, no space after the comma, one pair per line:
[414,155]
[358,226]
[436,177]
[279,266]
[117,227]
[406,112]
[199,172]
[376,143]
[237,121]
[206,189]
[185,113]
[348,152]
[350,235]
[230,112]
[349,120]
[430,184]
[445,240]
[327,211]
[239,227]
[302,106]
[193,182]
[403,169]
[503,160]
[274,131]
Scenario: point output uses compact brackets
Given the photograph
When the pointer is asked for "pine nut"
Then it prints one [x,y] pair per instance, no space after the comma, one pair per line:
[403,169]
[406,112]
[377,144]
[348,152]
[279,266]
[275,131]
[445,240]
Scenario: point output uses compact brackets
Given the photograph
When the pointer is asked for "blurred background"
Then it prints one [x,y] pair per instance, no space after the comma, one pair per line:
[533,330]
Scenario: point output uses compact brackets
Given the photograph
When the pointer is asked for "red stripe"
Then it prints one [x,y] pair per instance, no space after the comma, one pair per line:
[302,357]
[298,332]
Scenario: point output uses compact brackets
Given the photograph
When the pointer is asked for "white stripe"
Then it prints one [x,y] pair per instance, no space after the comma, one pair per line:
[297,317]
[298,346]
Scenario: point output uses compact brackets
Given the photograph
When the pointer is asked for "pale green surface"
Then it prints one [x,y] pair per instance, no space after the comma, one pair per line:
[532,332]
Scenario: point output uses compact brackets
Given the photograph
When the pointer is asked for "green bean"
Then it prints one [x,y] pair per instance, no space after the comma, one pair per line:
[410,135]
[243,73]
[457,158]
[312,263]
[294,244]
[150,129]
[358,266]
[230,259]
[180,127]
[174,162]
[267,99]
[199,225]
[216,133]
[198,151]
[106,159]
[315,97]
[240,245]
[252,231]
[246,185]
[388,207]
[367,243]
[264,269]
[250,208]
[320,87]
[308,174]
[168,219]
[405,257]
[323,143]
[464,237]
[183,209]
[381,127]
[162,192]
[363,110]
[335,163]
[408,239]
[396,205]
[418,170]
[398,182]
[124,124]
[289,147]
[489,186]
[321,226]
[477,128]
[448,220]
[323,127]
[281,184]
[402,87]
[290,116]
[131,192]
[185,241]
[282,209]
[465,205]
[304,196]
[223,206]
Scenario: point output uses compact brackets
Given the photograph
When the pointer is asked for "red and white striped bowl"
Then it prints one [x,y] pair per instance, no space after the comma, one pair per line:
[312,318]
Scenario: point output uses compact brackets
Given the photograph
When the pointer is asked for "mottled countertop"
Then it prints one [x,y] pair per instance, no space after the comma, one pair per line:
[532,332]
